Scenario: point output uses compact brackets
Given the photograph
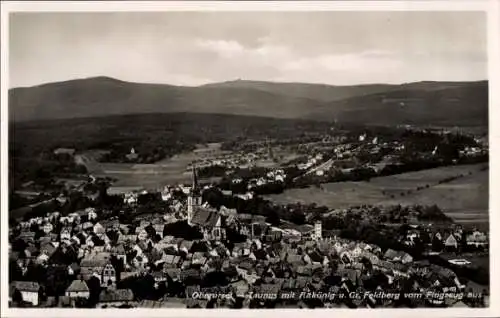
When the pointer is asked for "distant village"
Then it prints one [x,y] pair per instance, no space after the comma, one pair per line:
[190,253]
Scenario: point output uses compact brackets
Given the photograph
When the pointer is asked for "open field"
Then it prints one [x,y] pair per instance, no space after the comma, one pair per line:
[149,176]
[171,170]
[465,199]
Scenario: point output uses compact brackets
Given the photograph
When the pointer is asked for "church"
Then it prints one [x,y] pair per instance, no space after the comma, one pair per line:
[207,220]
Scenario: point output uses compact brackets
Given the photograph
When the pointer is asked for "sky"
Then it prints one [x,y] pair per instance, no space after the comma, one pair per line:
[195,48]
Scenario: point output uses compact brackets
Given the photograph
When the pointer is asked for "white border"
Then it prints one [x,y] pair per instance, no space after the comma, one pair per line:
[491,6]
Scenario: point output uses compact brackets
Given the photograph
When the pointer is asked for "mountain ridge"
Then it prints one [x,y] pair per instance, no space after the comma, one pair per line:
[105,96]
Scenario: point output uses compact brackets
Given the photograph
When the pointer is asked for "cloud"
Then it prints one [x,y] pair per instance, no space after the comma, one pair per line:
[284,60]
[192,48]
[225,49]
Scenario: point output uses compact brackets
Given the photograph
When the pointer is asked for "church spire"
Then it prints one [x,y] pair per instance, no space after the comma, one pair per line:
[194,199]
[195,187]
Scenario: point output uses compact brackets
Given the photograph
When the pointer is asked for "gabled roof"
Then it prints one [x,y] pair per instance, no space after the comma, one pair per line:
[351,274]
[315,256]
[172,272]
[450,239]
[142,245]
[158,227]
[78,286]
[221,250]
[268,288]
[116,295]
[245,263]
[391,254]
[205,217]
[294,258]
[68,229]
[26,286]
[118,249]
[153,255]
[48,249]
[304,270]
[185,244]
[27,235]
[74,266]
[302,281]
[93,262]
[171,259]
[190,272]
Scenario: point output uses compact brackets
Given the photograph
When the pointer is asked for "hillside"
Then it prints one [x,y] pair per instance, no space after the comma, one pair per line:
[321,92]
[456,104]
[103,96]
[30,143]
[439,103]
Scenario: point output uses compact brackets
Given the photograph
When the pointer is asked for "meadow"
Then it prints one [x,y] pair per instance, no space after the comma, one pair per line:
[465,199]
[149,176]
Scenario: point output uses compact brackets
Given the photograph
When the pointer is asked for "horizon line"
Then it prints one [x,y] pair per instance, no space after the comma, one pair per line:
[244,80]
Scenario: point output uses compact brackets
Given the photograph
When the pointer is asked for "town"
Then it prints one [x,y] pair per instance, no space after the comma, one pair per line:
[221,241]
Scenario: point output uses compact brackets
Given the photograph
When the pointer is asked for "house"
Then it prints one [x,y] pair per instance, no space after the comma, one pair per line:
[315,257]
[209,223]
[29,291]
[46,251]
[241,249]
[87,226]
[73,269]
[159,276]
[27,237]
[170,260]
[91,266]
[154,255]
[159,229]
[438,236]
[47,228]
[99,229]
[185,246]
[398,256]
[451,242]
[240,288]
[78,289]
[65,233]
[30,251]
[173,273]
[130,198]
[127,274]
[124,238]
[119,252]
[199,259]
[140,261]
[346,257]
[142,234]
[64,151]
[190,274]
[108,275]
[91,214]
[477,239]
[115,298]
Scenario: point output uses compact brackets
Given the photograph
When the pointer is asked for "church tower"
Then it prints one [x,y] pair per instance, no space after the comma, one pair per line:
[194,197]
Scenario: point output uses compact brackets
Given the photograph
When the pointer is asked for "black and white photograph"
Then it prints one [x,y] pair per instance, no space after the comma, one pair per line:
[246,159]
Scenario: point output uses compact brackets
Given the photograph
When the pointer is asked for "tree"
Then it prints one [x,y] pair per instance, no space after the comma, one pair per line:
[94,285]
[273,218]
[17,297]
[437,244]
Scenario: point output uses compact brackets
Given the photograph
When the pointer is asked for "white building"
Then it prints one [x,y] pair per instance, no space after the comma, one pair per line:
[78,289]
[47,228]
[29,291]
[318,230]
